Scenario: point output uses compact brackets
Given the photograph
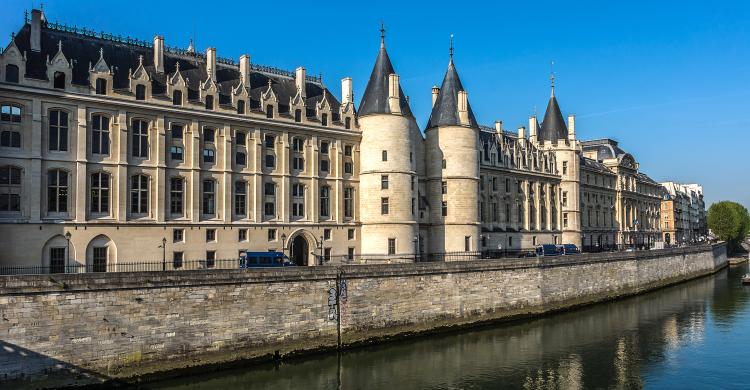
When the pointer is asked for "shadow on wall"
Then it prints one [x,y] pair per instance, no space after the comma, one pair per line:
[22,368]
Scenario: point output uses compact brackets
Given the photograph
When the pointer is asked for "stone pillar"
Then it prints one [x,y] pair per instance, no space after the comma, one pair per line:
[80,178]
[160,181]
[224,146]
[121,158]
[195,176]
[35,175]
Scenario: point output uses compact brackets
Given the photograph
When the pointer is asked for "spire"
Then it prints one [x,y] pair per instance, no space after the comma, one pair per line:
[445,111]
[375,98]
[553,126]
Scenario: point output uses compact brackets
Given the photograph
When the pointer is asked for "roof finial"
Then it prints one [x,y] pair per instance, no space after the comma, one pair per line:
[101,52]
[451,49]
[59,45]
[552,77]
[177,67]
[190,48]
[382,34]
[140,60]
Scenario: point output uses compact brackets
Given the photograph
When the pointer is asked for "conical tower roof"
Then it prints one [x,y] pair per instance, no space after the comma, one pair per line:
[445,110]
[375,99]
[553,125]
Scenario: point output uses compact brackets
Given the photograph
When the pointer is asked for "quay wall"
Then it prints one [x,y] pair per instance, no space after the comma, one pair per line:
[100,326]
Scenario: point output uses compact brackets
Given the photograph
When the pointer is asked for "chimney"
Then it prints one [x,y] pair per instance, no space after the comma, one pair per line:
[532,129]
[435,92]
[299,80]
[521,132]
[35,39]
[394,96]
[571,128]
[159,53]
[499,131]
[346,90]
[463,108]
[245,70]
[211,63]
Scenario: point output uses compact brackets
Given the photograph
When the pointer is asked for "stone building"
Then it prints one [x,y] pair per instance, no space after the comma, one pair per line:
[115,150]
[683,213]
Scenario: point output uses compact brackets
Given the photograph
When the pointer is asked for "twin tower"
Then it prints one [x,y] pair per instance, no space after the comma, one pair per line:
[418,194]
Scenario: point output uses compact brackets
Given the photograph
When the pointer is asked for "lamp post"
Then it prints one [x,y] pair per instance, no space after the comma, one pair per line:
[416,247]
[320,248]
[283,243]
[163,253]
[67,249]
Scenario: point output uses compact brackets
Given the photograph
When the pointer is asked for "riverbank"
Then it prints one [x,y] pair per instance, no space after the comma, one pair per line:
[125,325]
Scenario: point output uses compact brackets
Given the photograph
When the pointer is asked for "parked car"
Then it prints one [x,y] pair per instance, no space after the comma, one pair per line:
[264,259]
[568,249]
[547,250]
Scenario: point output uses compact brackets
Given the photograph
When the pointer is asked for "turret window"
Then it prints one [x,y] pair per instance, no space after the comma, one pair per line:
[384,206]
[444,209]
[385,155]
[11,73]
[384,182]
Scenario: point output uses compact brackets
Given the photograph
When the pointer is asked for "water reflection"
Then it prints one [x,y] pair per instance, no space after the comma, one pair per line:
[633,343]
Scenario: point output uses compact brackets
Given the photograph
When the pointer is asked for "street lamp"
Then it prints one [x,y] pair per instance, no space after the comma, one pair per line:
[416,247]
[67,248]
[283,241]
[163,253]
[320,248]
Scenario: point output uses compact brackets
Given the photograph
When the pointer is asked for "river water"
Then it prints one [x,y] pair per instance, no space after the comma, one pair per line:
[694,335]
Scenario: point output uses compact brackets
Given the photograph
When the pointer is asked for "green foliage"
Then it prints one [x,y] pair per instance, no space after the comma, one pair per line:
[729,221]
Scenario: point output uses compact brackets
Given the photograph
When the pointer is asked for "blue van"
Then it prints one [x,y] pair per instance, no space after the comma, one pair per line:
[264,259]
[547,250]
[568,249]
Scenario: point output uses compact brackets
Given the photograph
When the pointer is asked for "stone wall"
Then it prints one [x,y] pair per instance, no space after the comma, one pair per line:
[125,324]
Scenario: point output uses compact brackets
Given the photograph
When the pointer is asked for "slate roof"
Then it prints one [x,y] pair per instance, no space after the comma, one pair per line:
[445,109]
[595,165]
[605,149]
[375,99]
[121,57]
[553,126]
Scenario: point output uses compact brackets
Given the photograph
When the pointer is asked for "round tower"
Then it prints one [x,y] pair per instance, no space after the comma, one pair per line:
[452,147]
[388,203]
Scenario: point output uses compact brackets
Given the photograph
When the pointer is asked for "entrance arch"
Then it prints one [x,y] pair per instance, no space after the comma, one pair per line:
[101,254]
[301,244]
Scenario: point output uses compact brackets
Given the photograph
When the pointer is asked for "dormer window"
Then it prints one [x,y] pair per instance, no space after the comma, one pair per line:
[59,80]
[177,98]
[241,107]
[140,92]
[324,120]
[298,115]
[269,111]
[11,73]
[101,86]
[209,102]
[348,123]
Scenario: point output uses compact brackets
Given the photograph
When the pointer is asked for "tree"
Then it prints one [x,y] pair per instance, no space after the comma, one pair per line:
[729,221]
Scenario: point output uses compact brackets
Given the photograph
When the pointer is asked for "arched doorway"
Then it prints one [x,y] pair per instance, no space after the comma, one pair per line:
[101,254]
[667,238]
[299,250]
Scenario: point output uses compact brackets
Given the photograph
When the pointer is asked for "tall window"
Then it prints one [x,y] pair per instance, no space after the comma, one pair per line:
[444,209]
[139,194]
[209,102]
[269,111]
[100,193]
[176,153]
[10,126]
[58,130]
[298,200]
[209,156]
[140,138]
[59,80]
[325,201]
[391,246]
[11,73]
[385,155]
[10,189]
[384,182]
[241,107]
[240,138]
[177,98]
[176,191]
[240,158]
[384,207]
[298,145]
[140,92]
[57,191]
[101,86]
[176,130]
[298,115]
[209,197]
[240,198]
[467,243]
[348,202]
[348,123]
[324,119]
[444,187]
[100,135]
[209,135]
[269,206]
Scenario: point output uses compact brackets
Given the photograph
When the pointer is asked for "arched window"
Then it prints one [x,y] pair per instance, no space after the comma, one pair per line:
[139,194]
[10,189]
[59,80]
[58,130]
[100,193]
[10,126]
[140,138]
[11,73]
[57,191]
[269,111]
[101,86]
[177,98]
[140,92]
[209,102]
[209,197]
[100,134]
[240,198]
[241,107]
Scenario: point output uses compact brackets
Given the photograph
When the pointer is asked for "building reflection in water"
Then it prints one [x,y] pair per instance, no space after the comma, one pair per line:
[611,345]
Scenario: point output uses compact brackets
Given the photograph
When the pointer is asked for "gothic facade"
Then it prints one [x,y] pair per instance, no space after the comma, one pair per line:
[115,150]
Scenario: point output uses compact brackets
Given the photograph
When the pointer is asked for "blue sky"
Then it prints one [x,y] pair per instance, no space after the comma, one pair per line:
[667,79]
